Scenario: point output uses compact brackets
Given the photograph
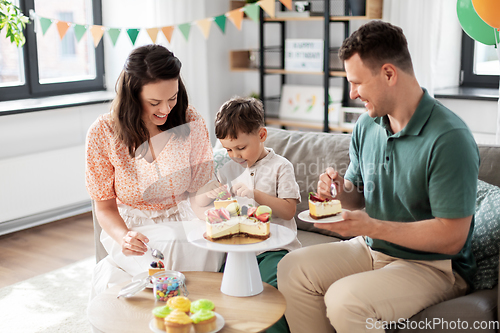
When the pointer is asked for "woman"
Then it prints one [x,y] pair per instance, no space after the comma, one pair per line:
[144,159]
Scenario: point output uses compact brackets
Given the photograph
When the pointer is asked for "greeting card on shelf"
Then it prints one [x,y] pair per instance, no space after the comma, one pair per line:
[304,55]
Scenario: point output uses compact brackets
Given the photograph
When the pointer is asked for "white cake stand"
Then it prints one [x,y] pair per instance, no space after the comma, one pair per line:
[241,274]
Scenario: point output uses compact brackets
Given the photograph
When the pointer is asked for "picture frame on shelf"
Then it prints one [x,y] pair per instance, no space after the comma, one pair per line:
[349,116]
[306,103]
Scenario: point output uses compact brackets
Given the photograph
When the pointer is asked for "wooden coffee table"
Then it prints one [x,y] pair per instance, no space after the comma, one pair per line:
[241,314]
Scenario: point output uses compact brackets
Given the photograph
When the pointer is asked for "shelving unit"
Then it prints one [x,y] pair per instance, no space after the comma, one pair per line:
[240,60]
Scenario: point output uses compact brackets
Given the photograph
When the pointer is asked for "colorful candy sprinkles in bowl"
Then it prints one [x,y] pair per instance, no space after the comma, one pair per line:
[168,284]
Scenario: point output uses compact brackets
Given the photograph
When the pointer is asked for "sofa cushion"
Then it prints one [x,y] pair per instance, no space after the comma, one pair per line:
[490,160]
[486,236]
[310,153]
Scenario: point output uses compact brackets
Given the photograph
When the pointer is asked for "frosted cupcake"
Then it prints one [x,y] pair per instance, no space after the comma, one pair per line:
[178,322]
[180,302]
[204,321]
[202,304]
[159,314]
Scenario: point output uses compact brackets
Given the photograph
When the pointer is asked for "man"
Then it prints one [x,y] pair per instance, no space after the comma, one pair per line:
[414,167]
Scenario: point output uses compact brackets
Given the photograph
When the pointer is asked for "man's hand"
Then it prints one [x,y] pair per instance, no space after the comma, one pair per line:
[326,179]
[355,223]
[133,244]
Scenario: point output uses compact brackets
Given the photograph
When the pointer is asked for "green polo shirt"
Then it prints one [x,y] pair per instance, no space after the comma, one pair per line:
[429,169]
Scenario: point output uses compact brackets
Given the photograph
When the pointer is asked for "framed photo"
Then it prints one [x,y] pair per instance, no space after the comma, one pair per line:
[350,116]
[306,103]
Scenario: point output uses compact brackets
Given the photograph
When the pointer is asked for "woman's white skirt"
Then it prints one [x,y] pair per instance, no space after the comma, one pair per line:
[167,231]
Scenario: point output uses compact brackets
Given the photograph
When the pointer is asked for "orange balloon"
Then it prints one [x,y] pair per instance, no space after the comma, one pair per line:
[488,11]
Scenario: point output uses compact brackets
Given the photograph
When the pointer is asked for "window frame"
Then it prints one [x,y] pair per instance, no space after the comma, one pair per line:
[32,87]
[468,78]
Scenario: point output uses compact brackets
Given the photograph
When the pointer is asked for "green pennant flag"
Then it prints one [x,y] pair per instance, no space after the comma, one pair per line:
[221,22]
[133,33]
[253,11]
[45,23]
[79,31]
[185,28]
[113,33]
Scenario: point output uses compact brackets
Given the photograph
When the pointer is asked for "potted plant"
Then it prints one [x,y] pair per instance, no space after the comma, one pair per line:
[13,19]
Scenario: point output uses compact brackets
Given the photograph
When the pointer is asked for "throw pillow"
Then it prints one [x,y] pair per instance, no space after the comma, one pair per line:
[220,158]
[486,235]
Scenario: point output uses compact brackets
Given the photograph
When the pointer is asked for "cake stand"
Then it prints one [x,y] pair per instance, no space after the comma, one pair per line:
[241,274]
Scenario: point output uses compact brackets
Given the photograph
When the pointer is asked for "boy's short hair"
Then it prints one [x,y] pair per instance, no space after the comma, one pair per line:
[377,43]
[239,114]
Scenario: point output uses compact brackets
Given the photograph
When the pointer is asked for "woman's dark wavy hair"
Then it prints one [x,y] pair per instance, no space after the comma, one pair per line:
[145,65]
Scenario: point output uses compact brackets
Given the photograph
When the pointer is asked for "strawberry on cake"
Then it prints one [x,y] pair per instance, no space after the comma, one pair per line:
[320,208]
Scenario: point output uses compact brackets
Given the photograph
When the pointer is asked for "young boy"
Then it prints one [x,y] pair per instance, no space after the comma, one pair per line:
[256,175]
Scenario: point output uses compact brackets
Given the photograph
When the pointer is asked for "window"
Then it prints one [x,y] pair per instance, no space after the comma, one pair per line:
[47,65]
[480,64]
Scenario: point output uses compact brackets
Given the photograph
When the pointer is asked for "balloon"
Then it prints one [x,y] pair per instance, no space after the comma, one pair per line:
[489,11]
[473,25]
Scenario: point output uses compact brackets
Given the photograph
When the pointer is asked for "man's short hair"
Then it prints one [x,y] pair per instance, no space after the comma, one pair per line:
[378,43]
[237,115]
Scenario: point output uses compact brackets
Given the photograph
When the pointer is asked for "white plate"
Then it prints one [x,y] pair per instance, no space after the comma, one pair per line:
[219,324]
[304,216]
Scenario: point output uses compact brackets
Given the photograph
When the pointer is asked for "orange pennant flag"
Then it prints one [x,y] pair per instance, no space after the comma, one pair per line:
[167,31]
[204,26]
[62,28]
[153,34]
[236,16]
[287,3]
[268,6]
[97,31]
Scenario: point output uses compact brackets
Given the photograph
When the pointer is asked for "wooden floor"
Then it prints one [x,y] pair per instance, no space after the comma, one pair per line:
[42,249]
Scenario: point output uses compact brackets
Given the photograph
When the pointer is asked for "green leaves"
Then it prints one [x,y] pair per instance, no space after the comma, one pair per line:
[12,19]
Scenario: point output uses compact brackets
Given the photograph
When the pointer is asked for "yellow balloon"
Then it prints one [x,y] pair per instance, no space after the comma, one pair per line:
[488,11]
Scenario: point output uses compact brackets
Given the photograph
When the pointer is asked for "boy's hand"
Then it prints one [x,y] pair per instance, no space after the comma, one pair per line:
[241,190]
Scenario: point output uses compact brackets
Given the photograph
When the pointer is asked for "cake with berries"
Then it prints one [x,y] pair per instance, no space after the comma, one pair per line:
[223,200]
[156,266]
[253,222]
[320,208]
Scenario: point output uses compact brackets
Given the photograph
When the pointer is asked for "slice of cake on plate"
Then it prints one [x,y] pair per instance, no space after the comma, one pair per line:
[320,208]
[223,200]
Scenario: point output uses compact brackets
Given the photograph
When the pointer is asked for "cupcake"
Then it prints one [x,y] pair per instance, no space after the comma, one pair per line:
[204,321]
[178,322]
[160,313]
[202,304]
[180,302]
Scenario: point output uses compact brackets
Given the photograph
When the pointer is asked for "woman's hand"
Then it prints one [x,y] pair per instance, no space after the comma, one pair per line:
[133,244]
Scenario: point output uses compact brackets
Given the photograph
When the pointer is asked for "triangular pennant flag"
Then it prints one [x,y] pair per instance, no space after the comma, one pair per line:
[79,31]
[153,34]
[221,22]
[167,31]
[253,11]
[97,31]
[268,6]
[45,23]
[185,28]
[204,26]
[236,16]
[113,34]
[287,3]
[62,28]
[133,33]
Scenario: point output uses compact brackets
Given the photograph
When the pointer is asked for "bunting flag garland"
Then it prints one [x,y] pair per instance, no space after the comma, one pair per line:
[204,26]
[97,31]
[236,16]
[185,28]
[221,22]
[113,34]
[79,30]
[133,33]
[167,31]
[153,34]
[252,10]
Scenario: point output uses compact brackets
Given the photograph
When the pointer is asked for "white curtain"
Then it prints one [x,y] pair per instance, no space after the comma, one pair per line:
[434,39]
